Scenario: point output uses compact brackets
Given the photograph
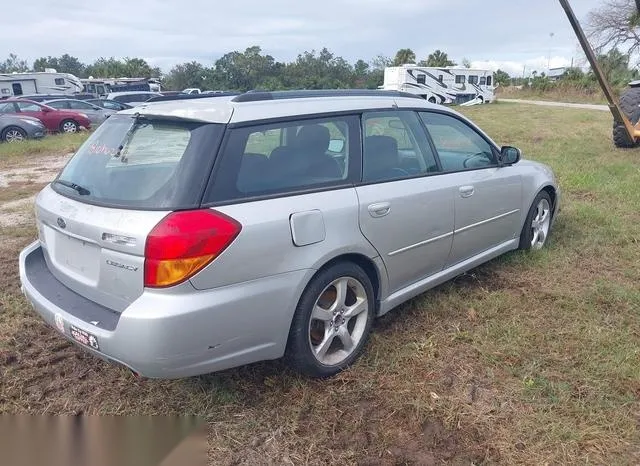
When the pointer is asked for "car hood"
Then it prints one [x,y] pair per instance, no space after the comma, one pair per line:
[9,117]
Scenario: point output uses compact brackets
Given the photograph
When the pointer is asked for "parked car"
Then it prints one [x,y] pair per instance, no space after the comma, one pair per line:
[96,114]
[192,90]
[109,104]
[45,97]
[173,254]
[14,128]
[133,98]
[64,121]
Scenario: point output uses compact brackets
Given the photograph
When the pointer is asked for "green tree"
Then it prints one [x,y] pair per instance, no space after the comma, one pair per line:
[502,78]
[466,63]
[318,70]
[404,56]
[116,68]
[246,70]
[615,66]
[437,59]
[64,64]
[139,68]
[13,64]
[185,75]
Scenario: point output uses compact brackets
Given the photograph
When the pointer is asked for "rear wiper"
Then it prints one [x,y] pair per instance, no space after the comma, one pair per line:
[76,187]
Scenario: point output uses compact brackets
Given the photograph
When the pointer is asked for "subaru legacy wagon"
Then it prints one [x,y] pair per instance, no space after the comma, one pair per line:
[190,236]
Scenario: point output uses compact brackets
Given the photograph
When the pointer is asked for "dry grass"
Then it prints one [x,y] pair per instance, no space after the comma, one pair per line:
[530,359]
[569,94]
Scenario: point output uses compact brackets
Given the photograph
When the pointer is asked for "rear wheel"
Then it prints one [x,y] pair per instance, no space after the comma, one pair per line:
[630,105]
[332,321]
[69,126]
[432,100]
[14,134]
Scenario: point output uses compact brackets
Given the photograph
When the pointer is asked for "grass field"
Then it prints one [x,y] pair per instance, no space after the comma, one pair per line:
[530,359]
[55,143]
[562,94]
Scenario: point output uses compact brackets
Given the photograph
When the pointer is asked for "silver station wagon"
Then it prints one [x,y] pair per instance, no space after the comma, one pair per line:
[190,236]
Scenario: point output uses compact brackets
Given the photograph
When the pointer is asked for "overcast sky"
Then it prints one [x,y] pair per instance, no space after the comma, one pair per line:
[501,33]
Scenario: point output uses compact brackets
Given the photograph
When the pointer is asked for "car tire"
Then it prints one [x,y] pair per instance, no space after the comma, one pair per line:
[537,226]
[69,126]
[432,100]
[332,321]
[13,134]
[630,105]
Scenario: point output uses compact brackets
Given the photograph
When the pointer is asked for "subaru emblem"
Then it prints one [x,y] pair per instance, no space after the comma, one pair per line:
[61,223]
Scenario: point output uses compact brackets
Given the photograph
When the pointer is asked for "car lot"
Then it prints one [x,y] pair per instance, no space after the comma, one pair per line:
[524,360]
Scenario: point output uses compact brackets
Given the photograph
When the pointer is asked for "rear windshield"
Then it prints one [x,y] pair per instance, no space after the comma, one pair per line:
[142,163]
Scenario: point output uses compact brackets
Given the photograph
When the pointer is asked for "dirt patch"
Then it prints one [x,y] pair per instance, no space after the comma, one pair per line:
[38,170]
[17,213]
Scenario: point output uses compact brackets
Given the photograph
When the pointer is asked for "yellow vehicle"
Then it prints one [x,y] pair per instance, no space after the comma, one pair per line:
[626,113]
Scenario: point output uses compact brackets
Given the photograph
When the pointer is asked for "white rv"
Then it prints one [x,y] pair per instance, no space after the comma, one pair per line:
[450,85]
[47,82]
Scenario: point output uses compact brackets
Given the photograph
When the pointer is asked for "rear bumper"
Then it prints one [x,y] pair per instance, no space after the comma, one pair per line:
[172,333]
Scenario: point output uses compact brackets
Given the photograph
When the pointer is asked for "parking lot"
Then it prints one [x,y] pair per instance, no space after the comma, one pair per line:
[530,359]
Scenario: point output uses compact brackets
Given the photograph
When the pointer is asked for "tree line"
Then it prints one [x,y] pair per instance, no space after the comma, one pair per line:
[242,71]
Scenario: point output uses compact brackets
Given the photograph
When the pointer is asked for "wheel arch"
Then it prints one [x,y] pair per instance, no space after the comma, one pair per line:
[368,264]
[9,128]
[546,186]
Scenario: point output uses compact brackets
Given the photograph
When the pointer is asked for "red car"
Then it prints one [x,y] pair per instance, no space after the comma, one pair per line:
[64,121]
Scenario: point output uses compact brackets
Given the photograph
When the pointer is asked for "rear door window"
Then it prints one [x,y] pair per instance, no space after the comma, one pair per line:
[78,105]
[287,157]
[59,105]
[140,163]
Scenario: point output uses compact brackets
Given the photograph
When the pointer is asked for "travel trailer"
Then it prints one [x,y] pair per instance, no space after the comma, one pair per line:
[47,82]
[450,85]
[101,87]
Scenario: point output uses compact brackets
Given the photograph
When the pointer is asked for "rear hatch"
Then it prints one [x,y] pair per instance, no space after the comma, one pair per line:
[94,218]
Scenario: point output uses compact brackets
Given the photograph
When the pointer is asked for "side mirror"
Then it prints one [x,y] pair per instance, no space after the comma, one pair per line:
[336,145]
[510,155]
[45,109]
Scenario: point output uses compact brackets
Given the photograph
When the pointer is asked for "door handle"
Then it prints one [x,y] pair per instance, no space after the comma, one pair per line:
[379,210]
[466,191]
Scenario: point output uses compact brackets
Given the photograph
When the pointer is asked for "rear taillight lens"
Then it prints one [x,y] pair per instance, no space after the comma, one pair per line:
[183,243]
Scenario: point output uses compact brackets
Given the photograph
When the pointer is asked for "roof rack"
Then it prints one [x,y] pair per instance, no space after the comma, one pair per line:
[164,98]
[256,95]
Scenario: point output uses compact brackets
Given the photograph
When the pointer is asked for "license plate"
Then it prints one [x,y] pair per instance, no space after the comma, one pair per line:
[76,255]
[83,337]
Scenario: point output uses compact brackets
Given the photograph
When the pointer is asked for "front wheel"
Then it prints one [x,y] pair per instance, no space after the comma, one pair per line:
[332,322]
[538,223]
[69,126]
[14,134]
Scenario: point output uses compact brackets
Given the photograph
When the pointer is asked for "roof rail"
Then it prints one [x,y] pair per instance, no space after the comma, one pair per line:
[254,96]
[163,98]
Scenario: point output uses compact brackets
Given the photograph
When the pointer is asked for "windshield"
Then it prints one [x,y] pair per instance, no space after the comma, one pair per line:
[142,163]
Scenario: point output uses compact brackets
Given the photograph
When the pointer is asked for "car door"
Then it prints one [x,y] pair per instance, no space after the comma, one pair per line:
[34,110]
[95,114]
[405,207]
[487,196]
[59,104]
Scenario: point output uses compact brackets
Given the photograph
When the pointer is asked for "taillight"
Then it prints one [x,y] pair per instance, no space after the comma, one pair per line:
[183,243]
